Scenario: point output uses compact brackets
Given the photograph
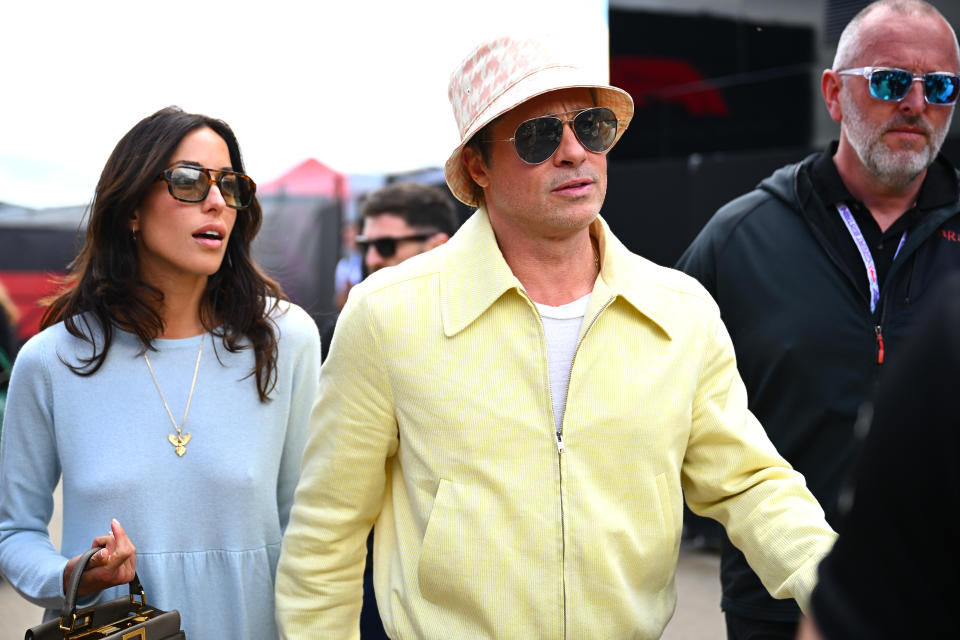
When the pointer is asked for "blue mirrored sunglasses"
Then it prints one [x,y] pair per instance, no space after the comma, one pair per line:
[887,83]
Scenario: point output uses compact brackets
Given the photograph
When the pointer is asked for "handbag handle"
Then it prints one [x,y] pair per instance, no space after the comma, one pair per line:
[68,616]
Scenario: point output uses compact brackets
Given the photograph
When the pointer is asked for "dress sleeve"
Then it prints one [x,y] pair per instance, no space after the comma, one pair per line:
[29,472]
[305,351]
[733,473]
[353,432]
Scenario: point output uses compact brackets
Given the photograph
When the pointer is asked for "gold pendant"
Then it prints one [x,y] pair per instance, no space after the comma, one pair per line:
[179,443]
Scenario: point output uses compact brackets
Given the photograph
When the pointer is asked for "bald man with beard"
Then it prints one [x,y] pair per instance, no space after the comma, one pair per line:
[819,271]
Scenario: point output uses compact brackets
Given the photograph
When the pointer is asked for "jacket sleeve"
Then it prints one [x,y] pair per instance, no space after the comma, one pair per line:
[733,473]
[353,432]
[29,471]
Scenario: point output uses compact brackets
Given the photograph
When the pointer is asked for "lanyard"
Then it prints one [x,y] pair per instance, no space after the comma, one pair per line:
[864,249]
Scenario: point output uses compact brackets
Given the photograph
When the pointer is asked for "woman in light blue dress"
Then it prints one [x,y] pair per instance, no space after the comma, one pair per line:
[170,389]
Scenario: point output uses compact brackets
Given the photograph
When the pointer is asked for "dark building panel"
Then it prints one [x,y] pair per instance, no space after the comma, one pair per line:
[704,83]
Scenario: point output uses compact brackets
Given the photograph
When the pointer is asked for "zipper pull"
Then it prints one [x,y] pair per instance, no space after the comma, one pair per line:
[879,346]
[560,447]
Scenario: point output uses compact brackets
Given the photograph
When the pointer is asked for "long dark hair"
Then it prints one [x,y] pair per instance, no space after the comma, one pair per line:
[104,287]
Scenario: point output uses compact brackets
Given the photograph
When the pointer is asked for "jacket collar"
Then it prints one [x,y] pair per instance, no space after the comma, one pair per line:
[474,275]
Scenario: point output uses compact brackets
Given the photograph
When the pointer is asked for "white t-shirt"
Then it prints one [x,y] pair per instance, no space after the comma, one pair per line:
[561,328]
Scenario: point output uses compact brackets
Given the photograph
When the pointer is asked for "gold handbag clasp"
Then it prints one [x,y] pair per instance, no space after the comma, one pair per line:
[139,634]
[74,623]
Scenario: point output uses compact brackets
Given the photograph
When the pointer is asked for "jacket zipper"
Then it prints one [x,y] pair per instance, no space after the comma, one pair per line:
[877,328]
[593,320]
[879,345]
[881,351]
[883,309]
[560,450]
[563,538]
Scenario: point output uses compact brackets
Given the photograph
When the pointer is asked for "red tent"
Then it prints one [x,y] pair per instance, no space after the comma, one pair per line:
[299,243]
[309,178]
[35,249]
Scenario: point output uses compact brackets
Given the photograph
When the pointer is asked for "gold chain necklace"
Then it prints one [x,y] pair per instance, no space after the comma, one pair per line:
[180,440]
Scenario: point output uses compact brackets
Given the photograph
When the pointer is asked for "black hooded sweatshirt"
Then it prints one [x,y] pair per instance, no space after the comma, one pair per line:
[793,293]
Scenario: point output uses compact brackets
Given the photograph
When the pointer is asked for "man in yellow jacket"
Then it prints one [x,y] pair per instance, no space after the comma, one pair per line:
[521,410]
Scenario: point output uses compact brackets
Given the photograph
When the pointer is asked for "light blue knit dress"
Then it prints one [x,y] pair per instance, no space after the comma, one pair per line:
[208,525]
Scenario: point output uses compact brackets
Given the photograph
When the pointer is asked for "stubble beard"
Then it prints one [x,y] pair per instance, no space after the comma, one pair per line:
[561,217]
[895,168]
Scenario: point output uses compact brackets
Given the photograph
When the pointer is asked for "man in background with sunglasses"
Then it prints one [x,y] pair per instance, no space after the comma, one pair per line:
[820,270]
[403,220]
[520,411]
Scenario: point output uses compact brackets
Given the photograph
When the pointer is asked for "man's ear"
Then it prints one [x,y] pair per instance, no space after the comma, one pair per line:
[476,167]
[831,84]
[436,240]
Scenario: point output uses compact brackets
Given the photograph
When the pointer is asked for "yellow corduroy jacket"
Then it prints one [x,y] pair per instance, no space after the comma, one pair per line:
[434,421]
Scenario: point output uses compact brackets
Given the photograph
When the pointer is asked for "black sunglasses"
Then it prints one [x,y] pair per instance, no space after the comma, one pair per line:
[188,183]
[538,138]
[386,247]
[887,83]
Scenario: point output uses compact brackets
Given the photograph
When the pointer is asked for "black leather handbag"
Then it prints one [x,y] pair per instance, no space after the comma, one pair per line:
[129,618]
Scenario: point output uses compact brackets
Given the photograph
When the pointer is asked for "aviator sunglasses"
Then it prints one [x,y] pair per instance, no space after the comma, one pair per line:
[386,247]
[188,183]
[886,83]
[538,138]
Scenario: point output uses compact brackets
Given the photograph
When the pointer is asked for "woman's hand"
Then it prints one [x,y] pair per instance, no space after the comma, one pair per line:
[115,564]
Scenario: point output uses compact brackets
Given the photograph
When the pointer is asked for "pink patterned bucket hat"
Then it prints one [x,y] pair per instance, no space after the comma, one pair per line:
[503,73]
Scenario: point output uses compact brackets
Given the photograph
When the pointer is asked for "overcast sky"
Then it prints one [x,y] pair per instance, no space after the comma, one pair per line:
[361,86]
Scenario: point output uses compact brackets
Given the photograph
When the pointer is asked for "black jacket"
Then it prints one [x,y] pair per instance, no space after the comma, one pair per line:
[808,347]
